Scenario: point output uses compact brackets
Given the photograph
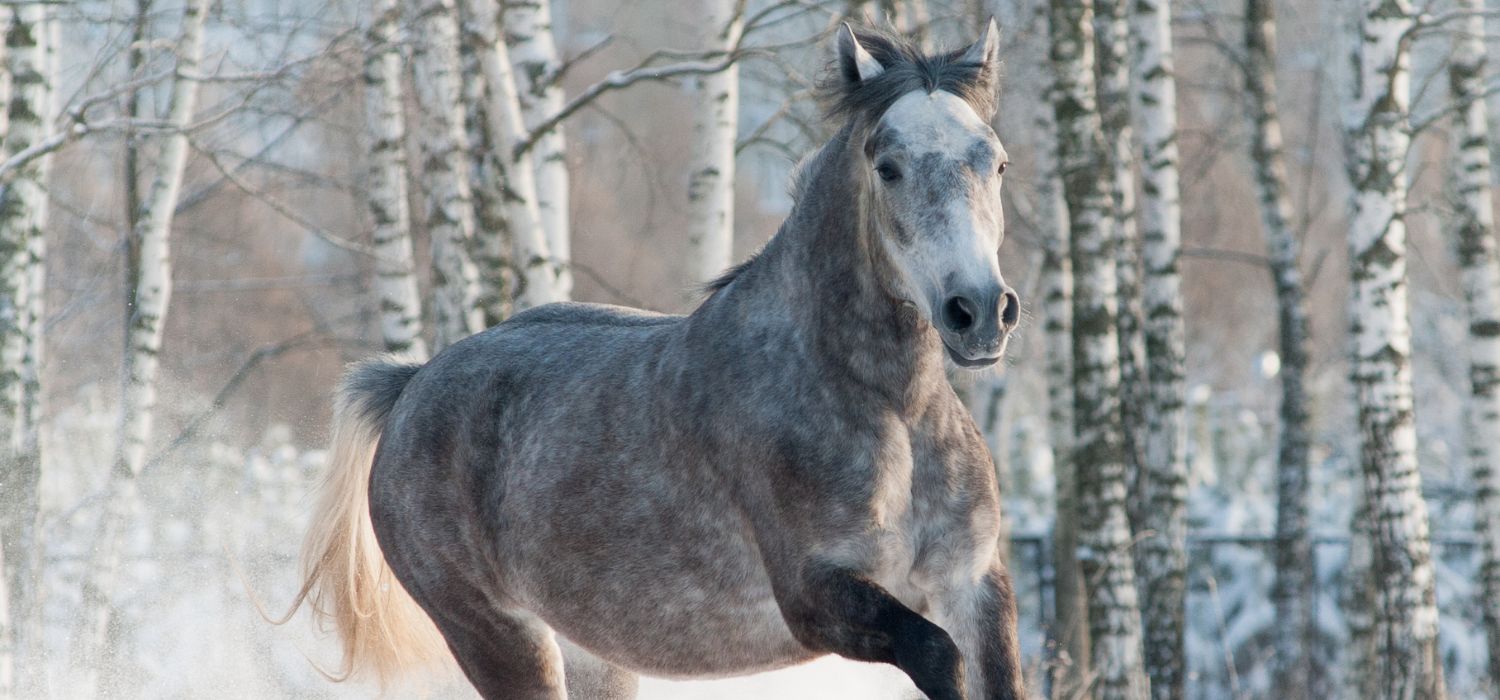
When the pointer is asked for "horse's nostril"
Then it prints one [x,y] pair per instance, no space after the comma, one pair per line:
[1010,309]
[958,314]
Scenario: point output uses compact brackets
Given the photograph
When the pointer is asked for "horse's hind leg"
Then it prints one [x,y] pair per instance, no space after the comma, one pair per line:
[507,656]
[593,678]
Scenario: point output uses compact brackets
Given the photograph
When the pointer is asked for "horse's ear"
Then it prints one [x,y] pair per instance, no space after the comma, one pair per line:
[856,65]
[985,52]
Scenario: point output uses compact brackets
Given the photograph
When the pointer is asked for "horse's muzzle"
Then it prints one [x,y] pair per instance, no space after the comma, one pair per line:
[974,324]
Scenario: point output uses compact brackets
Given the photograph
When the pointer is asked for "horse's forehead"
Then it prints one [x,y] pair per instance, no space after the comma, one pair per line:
[934,121]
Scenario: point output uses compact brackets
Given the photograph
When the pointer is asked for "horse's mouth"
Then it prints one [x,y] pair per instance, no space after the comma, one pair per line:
[967,363]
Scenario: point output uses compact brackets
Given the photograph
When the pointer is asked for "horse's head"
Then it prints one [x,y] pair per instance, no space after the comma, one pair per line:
[931,174]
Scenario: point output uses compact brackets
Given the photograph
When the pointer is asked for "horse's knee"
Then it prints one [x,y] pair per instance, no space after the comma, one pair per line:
[836,610]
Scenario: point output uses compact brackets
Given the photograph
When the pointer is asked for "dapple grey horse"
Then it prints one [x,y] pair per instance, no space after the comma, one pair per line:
[783,473]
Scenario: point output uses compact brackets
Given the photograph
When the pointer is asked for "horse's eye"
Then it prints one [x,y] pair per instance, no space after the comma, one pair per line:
[888,172]
[1003,166]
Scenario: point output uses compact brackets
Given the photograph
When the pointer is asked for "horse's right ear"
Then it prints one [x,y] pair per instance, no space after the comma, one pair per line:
[856,65]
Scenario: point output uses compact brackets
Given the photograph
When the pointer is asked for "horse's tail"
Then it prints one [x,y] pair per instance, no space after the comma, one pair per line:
[346,581]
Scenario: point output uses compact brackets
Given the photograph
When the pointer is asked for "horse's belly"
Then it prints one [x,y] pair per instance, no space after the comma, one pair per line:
[674,594]
[695,632]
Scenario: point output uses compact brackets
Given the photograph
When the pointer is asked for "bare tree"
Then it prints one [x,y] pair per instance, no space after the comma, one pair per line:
[1112,32]
[1402,654]
[1474,234]
[445,172]
[505,129]
[151,292]
[14,500]
[1295,658]
[533,50]
[1106,564]
[395,266]
[1071,633]
[1163,522]
[716,106]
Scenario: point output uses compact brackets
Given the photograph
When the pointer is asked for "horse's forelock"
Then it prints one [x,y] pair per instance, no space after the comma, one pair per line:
[907,69]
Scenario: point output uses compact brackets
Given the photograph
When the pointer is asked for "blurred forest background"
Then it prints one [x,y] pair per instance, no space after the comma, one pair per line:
[334,178]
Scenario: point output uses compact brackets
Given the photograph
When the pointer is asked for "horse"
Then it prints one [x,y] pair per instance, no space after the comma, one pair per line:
[586,492]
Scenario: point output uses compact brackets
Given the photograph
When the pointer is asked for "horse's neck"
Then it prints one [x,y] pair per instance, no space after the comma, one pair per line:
[837,282]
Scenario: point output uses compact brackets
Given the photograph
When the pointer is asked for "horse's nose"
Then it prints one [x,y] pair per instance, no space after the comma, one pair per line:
[960,313]
[1010,310]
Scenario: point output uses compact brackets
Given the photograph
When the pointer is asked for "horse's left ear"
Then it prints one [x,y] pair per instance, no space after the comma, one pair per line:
[986,52]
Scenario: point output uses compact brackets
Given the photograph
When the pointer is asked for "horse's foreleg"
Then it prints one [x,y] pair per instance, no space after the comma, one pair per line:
[838,611]
[981,616]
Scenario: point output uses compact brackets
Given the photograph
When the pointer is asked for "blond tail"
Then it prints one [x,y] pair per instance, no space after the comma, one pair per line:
[346,581]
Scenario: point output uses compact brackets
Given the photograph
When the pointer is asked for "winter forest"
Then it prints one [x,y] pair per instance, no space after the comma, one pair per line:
[1247,434]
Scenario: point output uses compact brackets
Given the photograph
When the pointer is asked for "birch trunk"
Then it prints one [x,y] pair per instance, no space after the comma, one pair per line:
[1071,632]
[1405,662]
[31,44]
[716,106]
[151,292]
[1296,659]
[14,476]
[1163,554]
[445,172]
[395,266]
[1112,32]
[492,241]
[533,51]
[1105,562]
[1475,238]
[531,257]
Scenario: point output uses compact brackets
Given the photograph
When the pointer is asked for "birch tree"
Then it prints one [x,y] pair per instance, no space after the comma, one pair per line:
[1071,633]
[14,477]
[716,106]
[530,257]
[1295,660]
[395,266]
[1106,565]
[23,222]
[1163,554]
[1474,234]
[533,51]
[150,292]
[1112,32]
[445,173]
[1403,656]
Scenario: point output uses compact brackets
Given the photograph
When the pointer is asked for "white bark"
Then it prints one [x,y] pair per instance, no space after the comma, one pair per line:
[505,128]
[533,52]
[152,293]
[1475,238]
[1106,565]
[1112,32]
[13,499]
[395,266]
[716,105]
[1070,632]
[1297,657]
[1163,554]
[445,172]
[1405,661]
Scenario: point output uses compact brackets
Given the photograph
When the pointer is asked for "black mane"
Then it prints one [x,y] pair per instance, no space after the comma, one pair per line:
[844,96]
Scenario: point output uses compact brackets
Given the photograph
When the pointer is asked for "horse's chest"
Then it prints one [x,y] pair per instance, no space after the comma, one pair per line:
[931,514]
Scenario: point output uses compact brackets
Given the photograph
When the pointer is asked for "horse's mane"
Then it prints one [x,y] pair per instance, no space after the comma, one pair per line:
[845,97]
